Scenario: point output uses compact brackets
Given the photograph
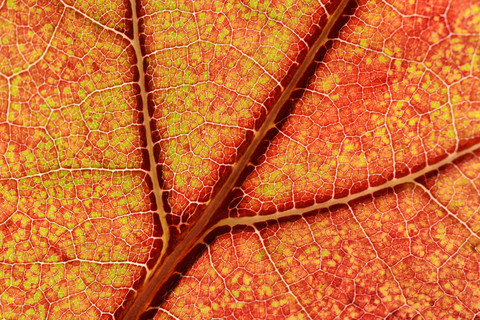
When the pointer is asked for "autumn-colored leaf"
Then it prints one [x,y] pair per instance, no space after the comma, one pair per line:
[239,159]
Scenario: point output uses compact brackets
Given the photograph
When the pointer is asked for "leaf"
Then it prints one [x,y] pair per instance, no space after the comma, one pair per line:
[331,148]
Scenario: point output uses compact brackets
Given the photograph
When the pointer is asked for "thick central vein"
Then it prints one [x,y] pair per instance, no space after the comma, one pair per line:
[167,265]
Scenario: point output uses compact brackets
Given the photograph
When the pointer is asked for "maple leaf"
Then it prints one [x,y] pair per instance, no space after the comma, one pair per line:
[261,159]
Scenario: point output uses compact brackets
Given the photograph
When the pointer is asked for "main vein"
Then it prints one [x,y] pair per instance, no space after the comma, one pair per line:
[167,265]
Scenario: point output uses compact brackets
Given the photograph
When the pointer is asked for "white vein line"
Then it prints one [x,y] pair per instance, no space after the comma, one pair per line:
[202,125]
[96,22]
[255,62]
[72,170]
[9,101]
[95,92]
[448,211]
[143,265]
[283,24]
[450,256]
[227,288]
[464,175]
[48,46]
[167,312]
[418,62]
[377,255]
[280,274]
[387,128]
[204,82]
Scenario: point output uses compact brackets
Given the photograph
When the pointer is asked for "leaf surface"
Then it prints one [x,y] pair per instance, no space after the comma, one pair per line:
[331,147]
